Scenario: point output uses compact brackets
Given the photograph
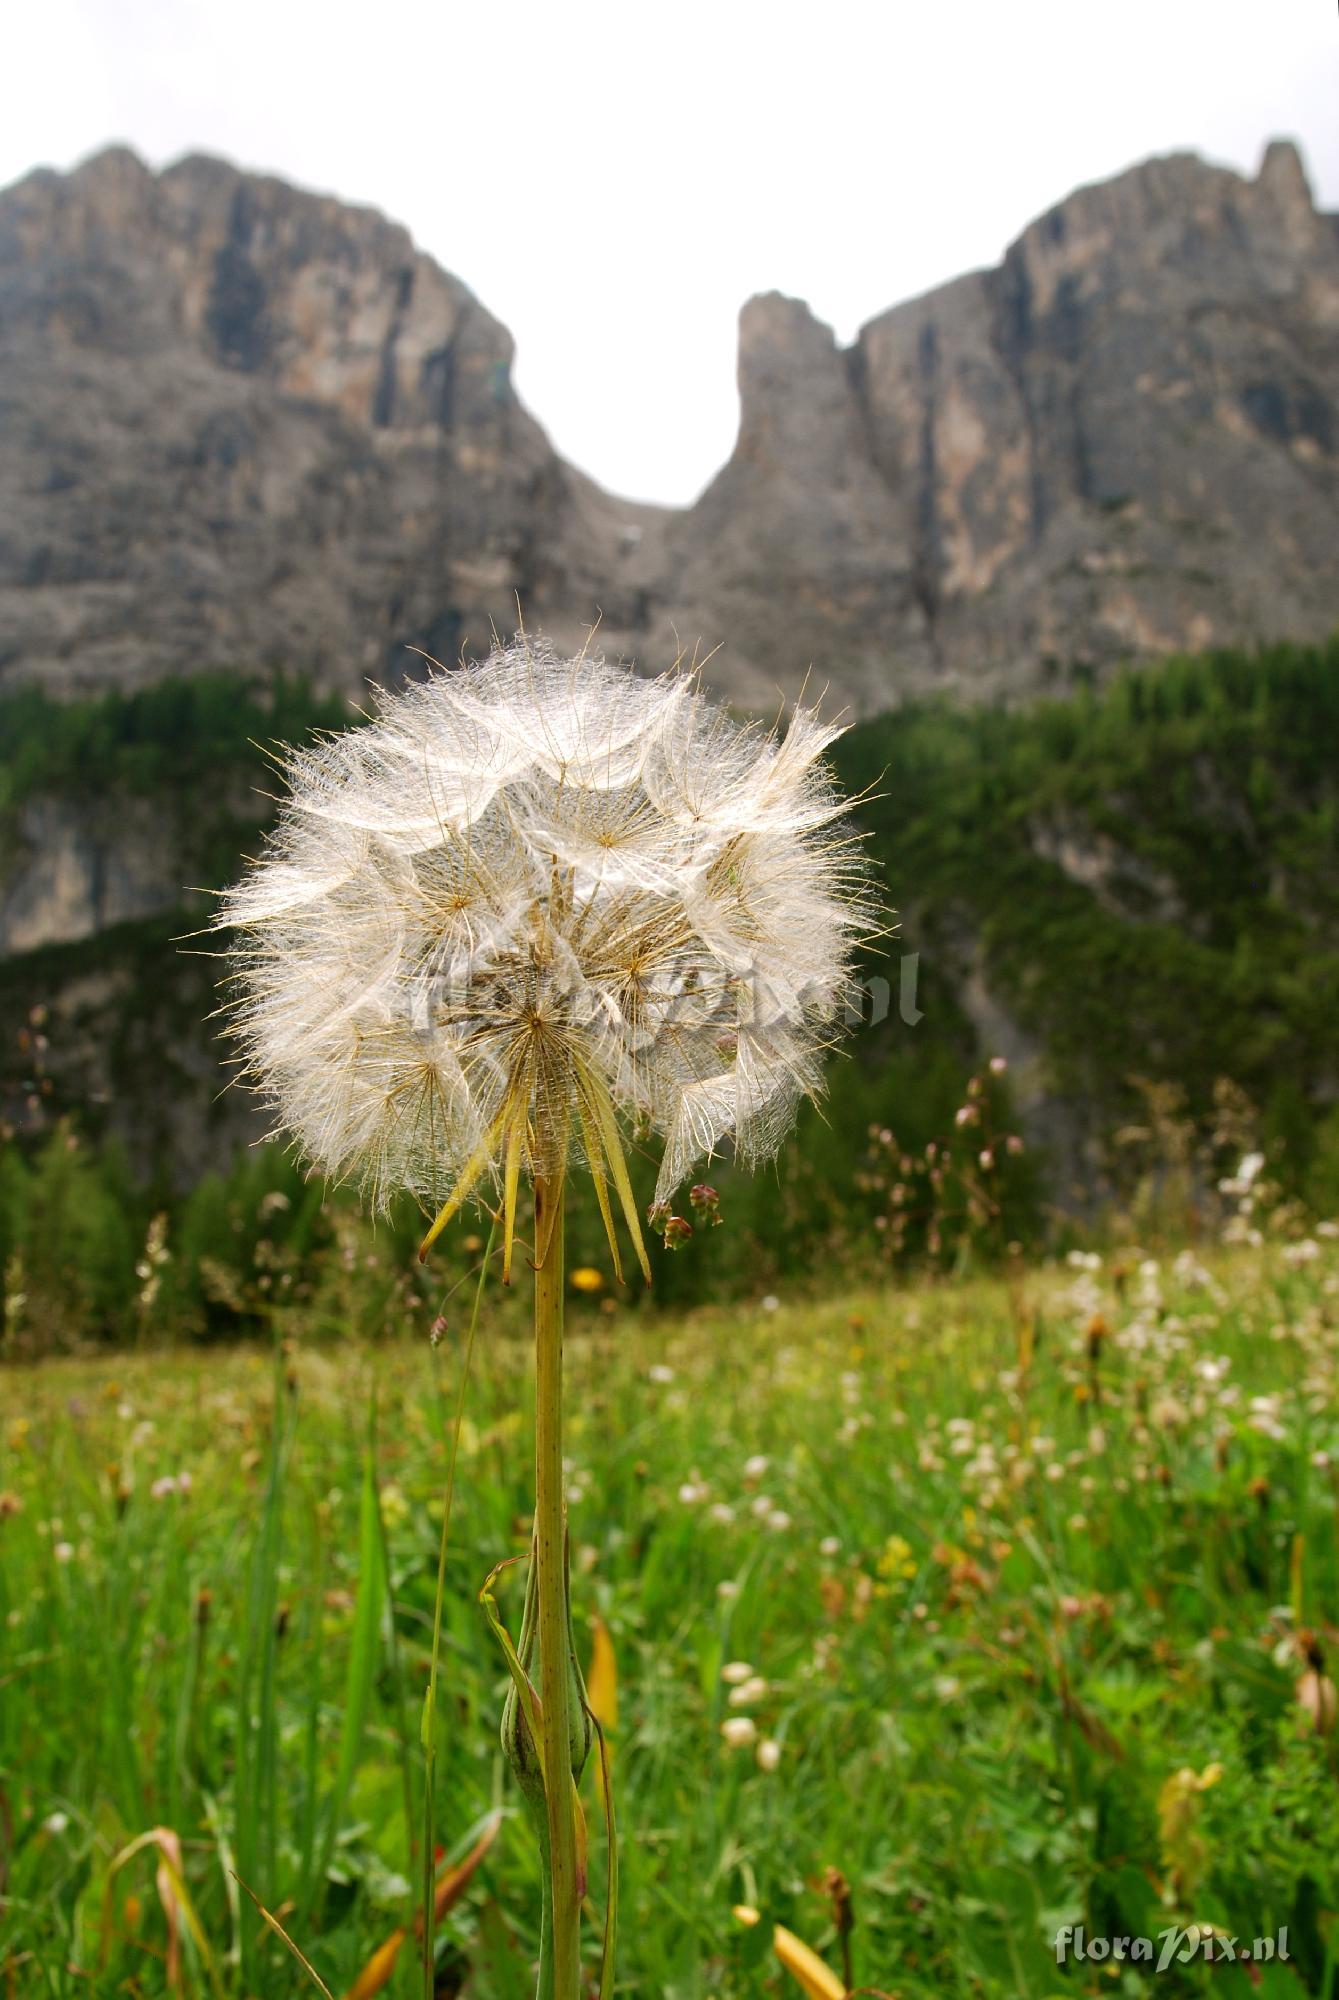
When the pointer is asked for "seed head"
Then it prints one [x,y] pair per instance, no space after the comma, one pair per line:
[528,895]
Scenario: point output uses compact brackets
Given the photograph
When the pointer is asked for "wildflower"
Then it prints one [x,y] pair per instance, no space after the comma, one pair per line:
[527,892]
[586,1279]
[739,1731]
[768,1754]
[660,1372]
[1264,1417]
[754,1468]
[529,896]
[749,1692]
[897,1558]
[736,1672]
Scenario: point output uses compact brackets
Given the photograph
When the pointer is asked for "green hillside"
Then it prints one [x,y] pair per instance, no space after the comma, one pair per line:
[1201,799]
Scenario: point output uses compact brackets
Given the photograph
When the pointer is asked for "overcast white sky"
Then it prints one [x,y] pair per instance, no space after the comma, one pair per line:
[613,180]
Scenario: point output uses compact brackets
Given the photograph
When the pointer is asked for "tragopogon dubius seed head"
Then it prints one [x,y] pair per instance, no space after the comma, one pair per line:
[530,895]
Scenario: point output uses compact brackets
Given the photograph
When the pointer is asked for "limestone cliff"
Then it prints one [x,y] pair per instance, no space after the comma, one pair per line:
[1122,442]
[242,425]
[246,426]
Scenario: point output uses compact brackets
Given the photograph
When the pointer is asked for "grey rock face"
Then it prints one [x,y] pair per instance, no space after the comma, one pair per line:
[74,871]
[1122,442]
[244,425]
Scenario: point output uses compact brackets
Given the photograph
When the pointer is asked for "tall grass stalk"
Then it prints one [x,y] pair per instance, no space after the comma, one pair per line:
[256,1834]
[428,1730]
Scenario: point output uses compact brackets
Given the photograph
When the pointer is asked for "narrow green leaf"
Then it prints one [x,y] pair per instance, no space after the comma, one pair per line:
[364,1659]
[611,1865]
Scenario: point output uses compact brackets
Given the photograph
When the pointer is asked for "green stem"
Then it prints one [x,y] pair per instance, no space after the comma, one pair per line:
[550,1560]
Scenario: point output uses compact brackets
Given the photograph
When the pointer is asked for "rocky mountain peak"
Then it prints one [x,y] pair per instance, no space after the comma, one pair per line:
[243,424]
[1283,177]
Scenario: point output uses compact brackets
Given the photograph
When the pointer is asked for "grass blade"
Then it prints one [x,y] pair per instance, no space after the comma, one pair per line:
[428,1725]
[610,1948]
[280,1932]
[364,1658]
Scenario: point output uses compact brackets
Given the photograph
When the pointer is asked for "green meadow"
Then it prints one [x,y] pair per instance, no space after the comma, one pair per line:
[1007,1598]
[946,1590]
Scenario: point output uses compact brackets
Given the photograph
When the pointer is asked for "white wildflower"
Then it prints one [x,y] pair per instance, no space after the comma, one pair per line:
[749,1692]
